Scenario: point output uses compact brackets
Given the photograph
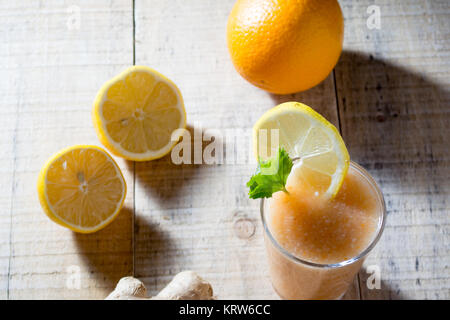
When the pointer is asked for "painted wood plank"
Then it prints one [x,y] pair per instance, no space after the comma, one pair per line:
[198,216]
[8,121]
[53,64]
[393,98]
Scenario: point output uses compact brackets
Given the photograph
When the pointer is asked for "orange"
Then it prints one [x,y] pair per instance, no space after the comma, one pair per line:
[285,46]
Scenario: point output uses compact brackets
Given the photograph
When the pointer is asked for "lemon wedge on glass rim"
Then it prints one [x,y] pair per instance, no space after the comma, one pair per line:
[307,136]
[81,188]
[137,113]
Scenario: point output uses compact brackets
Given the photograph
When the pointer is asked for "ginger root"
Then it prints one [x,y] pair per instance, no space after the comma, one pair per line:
[186,285]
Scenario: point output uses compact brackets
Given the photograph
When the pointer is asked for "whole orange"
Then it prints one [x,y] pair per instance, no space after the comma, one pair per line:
[285,46]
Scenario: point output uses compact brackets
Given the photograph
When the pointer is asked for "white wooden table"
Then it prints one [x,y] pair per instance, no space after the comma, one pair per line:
[389,94]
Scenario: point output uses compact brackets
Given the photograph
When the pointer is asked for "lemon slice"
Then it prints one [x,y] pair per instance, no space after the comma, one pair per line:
[81,188]
[304,134]
[136,113]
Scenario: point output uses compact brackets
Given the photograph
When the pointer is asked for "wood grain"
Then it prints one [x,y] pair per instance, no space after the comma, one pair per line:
[50,75]
[394,98]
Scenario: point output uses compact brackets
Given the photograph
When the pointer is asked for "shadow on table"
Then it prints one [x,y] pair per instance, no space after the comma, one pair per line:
[108,254]
[153,260]
[393,118]
[162,179]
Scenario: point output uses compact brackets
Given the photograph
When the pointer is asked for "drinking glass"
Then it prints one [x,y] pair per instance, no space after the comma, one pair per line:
[295,278]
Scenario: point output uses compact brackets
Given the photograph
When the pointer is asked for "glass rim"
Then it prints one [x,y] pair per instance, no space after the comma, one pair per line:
[361,255]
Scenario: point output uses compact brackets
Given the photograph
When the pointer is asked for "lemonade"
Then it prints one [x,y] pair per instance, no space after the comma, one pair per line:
[316,245]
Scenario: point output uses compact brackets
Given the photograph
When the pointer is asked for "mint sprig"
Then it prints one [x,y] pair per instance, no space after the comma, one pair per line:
[270,176]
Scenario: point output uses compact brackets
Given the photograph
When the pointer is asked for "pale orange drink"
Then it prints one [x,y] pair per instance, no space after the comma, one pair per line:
[321,212]
[316,245]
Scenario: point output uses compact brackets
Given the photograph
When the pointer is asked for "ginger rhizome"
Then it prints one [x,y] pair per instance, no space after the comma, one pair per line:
[186,285]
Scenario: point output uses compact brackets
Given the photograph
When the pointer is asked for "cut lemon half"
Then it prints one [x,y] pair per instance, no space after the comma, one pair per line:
[81,188]
[137,114]
[304,134]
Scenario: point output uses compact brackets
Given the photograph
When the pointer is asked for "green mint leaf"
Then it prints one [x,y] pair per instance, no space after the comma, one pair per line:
[270,176]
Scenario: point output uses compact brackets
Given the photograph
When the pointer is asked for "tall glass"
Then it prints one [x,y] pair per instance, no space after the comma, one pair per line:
[295,278]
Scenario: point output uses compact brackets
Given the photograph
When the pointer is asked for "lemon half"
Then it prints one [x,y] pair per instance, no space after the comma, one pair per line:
[136,113]
[81,188]
[304,134]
